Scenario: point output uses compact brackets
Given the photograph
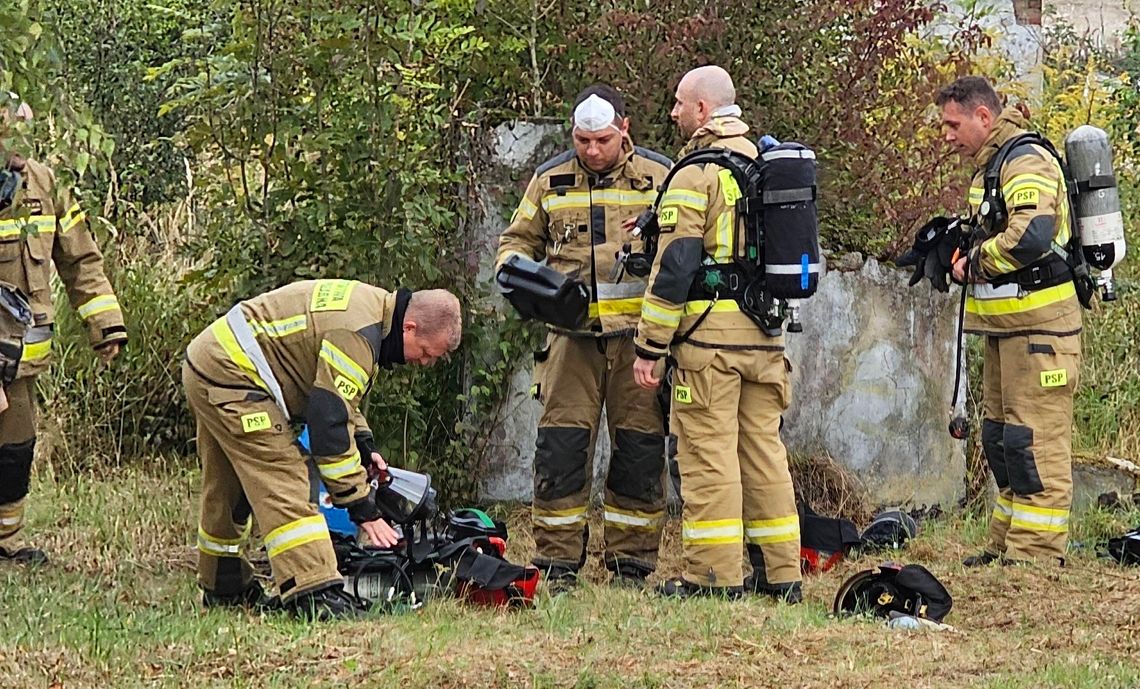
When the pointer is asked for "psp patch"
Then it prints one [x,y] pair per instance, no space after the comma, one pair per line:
[259,421]
[1054,379]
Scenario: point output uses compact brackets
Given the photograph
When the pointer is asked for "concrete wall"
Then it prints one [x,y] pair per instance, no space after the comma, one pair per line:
[872,370]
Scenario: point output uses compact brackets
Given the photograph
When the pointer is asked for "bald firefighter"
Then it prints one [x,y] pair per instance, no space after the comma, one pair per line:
[572,216]
[307,352]
[41,225]
[1022,299]
[730,384]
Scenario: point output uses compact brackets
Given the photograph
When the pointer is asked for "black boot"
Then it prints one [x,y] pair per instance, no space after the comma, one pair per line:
[981,559]
[330,602]
[757,582]
[791,592]
[679,588]
[24,556]
[252,597]
[560,579]
[628,573]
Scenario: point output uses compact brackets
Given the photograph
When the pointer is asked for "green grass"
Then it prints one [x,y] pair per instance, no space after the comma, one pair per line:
[119,608]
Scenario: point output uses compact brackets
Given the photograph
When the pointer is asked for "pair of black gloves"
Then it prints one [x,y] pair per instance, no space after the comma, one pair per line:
[932,254]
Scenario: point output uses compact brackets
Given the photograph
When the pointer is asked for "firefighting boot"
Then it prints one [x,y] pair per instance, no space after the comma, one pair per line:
[325,604]
[252,597]
[981,559]
[628,575]
[679,588]
[560,579]
[790,592]
[24,556]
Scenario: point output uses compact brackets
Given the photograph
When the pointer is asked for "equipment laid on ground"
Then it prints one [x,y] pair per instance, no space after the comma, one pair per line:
[824,541]
[894,587]
[1125,549]
[890,529]
[777,260]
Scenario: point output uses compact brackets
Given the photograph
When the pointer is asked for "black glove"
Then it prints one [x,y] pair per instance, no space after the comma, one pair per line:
[931,254]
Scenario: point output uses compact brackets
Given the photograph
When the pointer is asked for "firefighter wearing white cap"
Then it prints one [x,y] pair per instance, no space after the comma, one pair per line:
[572,216]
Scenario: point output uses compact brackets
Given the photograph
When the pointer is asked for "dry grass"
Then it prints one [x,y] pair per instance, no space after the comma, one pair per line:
[119,609]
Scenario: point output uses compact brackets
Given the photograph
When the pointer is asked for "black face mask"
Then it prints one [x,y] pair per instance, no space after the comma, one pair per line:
[10,183]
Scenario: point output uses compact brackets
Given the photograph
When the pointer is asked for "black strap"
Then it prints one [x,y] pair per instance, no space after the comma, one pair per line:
[1047,272]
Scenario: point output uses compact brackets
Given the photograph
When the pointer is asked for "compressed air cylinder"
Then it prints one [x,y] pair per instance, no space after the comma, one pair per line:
[1097,204]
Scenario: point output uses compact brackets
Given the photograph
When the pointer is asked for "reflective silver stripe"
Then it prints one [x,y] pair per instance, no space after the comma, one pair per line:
[790,268]
[560,521]
[11,521]
[248,343]
[984,290]
[628,519]
[40,333]
[777,155]
[1004,506]
[780,196]
[622,290]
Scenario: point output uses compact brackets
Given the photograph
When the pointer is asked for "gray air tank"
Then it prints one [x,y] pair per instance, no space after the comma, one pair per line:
[1097,203]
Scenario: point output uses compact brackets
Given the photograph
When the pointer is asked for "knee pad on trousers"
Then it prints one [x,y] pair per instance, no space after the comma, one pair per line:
[560,462]
[636,465]
[15,470]
[993,444]
[1019,460]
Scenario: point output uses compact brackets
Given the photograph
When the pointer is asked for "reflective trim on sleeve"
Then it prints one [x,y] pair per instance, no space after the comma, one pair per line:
[666,317]
[334,470]
[344,364]
[100,304]
[526,210]
[71,218]
[686,198]
[280,328]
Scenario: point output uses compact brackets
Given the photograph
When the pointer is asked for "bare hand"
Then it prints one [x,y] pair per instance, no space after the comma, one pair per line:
[959,270]
[628,223]
[643,373]
[109,351]
[380,534]
[3,400]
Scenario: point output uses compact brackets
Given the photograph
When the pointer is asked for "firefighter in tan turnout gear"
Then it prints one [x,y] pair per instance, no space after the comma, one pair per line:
[572,217]
[731,380]
[1023,301]
[41,225]
[306,352]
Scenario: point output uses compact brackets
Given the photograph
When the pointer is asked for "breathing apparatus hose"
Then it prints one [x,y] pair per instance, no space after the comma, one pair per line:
[959,425]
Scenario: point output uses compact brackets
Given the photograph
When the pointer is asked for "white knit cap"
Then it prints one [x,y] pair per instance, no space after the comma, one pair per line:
[595,114]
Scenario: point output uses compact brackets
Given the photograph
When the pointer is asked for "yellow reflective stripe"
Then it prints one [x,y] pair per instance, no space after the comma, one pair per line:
[617,307]
[343,363]
[1003,509]
[571,199]
[992,250]
[687,198]
[218,547]
[1029,302]
[36,350]
[526,209]
[344,467]
[778,530]
[624,197]
[296,533]
[668,317]
[100,304]
[1029,180]
[566,517]
[714,532]
[637,519]
[225,337]
[696,308]
[71,218]
[724,243]
[280,328]
[33,224]
[976,196]
[1039,518]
